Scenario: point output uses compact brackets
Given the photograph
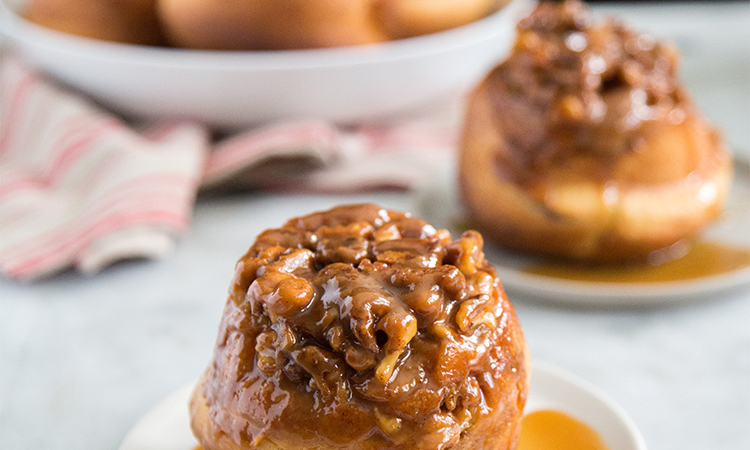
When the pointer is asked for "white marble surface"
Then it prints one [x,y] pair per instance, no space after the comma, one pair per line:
[82,359]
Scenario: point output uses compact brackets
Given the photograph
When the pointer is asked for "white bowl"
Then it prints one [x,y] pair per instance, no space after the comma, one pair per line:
[235,88]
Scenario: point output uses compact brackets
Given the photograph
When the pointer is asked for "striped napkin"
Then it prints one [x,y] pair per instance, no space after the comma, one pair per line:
[81,188]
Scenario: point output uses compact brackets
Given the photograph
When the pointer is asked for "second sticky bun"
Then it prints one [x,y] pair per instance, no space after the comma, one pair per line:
[585,145]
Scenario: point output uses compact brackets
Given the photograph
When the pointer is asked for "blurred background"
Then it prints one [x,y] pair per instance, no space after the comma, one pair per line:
[91,344]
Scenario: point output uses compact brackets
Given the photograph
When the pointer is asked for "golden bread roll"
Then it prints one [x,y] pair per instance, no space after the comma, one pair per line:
[126,21]
[362,328]
[268,24]
[298,24]
[408,18]
[584,145]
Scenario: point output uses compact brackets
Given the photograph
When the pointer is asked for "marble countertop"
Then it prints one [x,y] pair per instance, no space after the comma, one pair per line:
[81,359]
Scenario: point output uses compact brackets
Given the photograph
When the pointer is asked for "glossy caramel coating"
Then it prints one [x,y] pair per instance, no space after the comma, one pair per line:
[584,144]
[363,328]
[126,21]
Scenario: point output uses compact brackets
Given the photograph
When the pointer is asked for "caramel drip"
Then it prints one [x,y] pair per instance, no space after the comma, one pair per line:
[554,430]
[704,259]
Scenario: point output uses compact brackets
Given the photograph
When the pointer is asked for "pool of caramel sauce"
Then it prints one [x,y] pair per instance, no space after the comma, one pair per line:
[702,259]
[554,430]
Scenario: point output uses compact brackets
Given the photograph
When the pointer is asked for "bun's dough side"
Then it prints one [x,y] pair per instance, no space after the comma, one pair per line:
[584,145]
[363,328]
[408,18]
[269,24]
[126,21]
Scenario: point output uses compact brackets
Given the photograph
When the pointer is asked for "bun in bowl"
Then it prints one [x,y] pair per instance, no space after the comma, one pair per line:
[584,145]
[126,21]
[363,328]
[255,24]
[299,24]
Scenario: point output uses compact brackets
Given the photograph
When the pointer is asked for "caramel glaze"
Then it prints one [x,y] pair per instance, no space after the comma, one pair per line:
[703,259]
[554,430]
[579,99]
[362,328]
[580,91]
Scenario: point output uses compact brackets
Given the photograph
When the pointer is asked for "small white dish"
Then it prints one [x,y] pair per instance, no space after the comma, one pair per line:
[553,388]
[167,425]
[438,202]
[231,89]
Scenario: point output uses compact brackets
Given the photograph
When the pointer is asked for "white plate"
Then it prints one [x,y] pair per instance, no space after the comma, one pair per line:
[438,203]
[235,88]
[167,425]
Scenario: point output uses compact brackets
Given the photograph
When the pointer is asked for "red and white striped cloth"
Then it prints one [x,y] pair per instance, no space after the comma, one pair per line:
[81,188]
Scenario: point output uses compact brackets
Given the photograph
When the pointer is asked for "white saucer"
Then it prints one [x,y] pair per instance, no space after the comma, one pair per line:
[438,203]
[167,426]
[559,390]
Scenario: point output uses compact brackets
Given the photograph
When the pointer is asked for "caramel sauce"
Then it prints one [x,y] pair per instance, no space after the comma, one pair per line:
[553,430]
[702,260]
